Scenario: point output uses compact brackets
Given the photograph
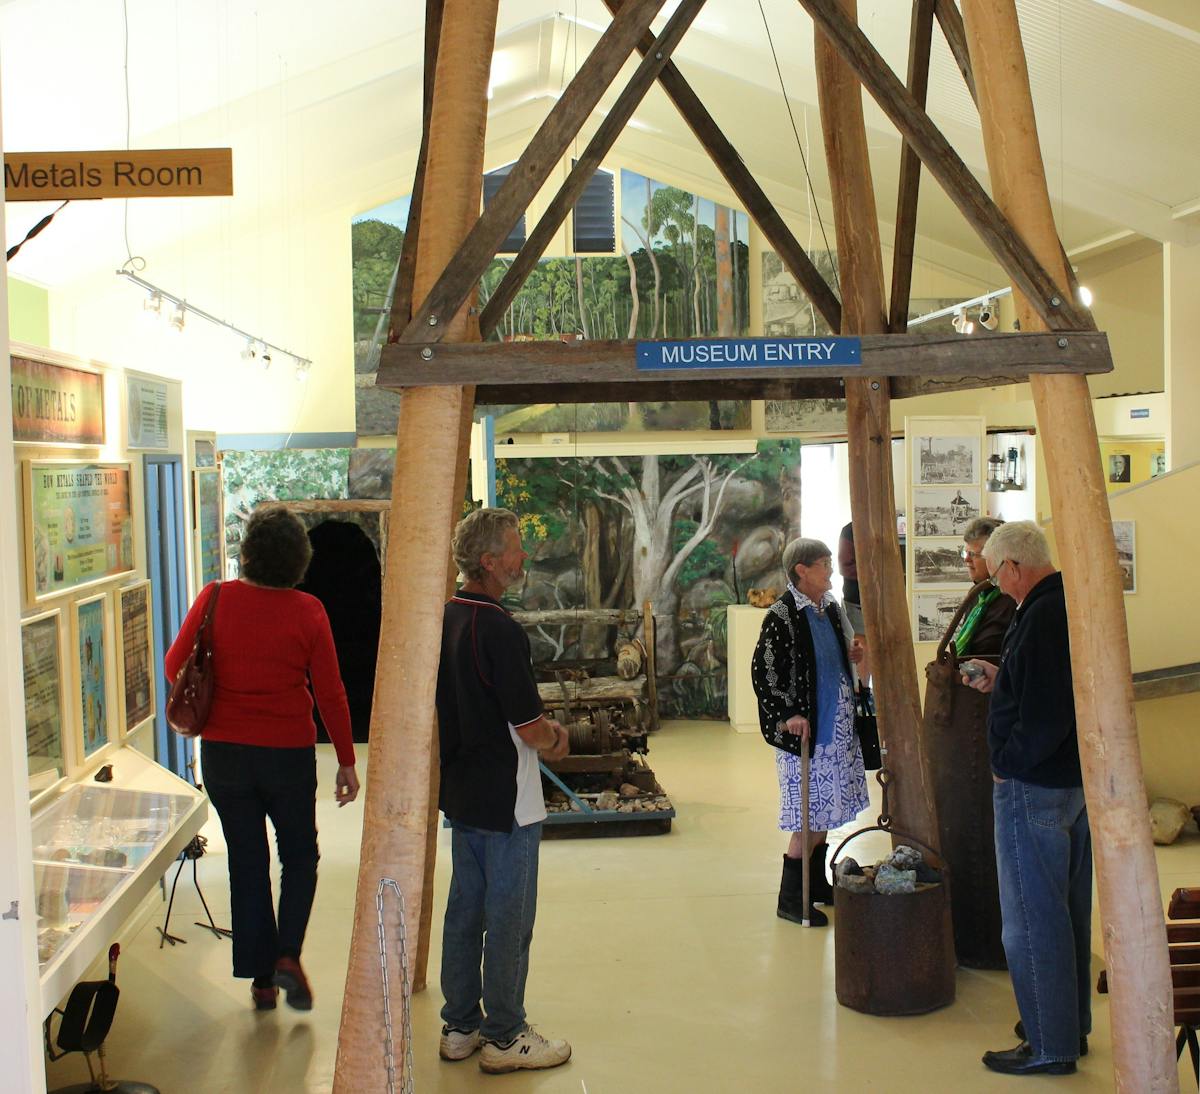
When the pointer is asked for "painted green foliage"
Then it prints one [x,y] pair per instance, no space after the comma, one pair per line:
[374,249]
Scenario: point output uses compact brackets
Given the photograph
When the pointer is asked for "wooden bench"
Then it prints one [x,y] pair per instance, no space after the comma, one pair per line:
[1183,946]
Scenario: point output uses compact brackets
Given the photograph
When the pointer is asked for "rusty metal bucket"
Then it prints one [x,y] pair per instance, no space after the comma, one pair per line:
[955,735]
[893,954]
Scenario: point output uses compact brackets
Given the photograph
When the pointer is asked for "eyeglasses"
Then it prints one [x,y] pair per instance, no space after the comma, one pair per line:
[967,553]
[994,578]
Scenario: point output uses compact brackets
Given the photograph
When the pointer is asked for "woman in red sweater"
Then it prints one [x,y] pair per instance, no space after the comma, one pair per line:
[258,746]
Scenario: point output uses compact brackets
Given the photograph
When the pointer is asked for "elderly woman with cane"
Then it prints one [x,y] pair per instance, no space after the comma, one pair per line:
[803,681]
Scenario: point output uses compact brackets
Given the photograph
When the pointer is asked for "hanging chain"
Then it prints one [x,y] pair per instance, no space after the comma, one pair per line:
[406,1017]
[884,778]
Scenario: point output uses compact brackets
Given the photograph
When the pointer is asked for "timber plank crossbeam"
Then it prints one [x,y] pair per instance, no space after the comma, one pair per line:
[607,371]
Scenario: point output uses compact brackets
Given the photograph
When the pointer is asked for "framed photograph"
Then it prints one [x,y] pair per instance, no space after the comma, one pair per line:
[947,460]
[204,452]
[41,664]
[54,404]
[938,562]
[90,641]
[806,415]
[1118,467]
[146,413]
[943,510]
[1158,464]
[1126,554]
[933,612]
[209,526]
[78,525]
[135,655]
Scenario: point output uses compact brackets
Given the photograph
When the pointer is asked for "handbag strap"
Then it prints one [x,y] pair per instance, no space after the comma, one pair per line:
[962,608]
[206,622]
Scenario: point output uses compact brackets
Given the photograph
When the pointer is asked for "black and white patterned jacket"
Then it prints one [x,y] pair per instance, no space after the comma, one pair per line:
[784,669]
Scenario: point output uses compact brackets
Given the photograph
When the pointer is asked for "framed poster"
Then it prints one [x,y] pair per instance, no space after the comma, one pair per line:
[1126,554]
[933,612]
[145,413]
[135,655]
[209,528]
[78,525]
[943,510]
[41,664]
[89,640]
[54,404]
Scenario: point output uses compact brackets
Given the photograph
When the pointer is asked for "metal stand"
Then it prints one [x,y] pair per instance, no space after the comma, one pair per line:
[193,851]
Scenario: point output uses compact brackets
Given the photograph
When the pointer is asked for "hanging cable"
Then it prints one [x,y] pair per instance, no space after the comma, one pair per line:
[799,145]
[133,263]
[36,229]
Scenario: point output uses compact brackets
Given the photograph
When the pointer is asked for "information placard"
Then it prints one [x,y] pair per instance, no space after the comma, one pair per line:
[737,353]
[41,663]
[209,531]
[145,413]
[78,525]
[135,655]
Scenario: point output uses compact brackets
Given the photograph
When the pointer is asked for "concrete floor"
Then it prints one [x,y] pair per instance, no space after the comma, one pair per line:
[660,958]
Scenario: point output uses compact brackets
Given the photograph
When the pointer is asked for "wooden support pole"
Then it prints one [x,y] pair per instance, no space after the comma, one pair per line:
[1135,939]
[585,166]
[461,275]
[759,207]
[431,454]
[920,42]
[1009,249]
[869,433]
[402,297]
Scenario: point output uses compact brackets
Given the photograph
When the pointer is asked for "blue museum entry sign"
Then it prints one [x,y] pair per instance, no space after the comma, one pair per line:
[704,353]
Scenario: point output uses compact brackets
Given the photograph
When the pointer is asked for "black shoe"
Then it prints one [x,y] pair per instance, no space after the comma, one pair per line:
[1019,1030]
[818,884]
[791,896]
[1022,1061]
[290,976]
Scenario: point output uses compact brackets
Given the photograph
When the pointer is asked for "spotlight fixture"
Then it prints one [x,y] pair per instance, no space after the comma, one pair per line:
[962,324]
[255,348]
[988,319]
[302,368]
[1085,296]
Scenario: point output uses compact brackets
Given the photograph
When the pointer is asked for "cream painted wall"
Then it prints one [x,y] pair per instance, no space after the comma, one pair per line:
[1128,305]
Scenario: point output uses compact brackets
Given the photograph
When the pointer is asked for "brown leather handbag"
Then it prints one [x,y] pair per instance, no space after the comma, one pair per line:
[191,696]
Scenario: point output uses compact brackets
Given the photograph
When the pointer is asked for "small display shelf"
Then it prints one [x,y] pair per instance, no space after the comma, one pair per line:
[98,851]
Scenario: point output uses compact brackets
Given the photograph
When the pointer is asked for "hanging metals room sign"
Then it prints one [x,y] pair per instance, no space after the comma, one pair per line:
[707,353]
[53,404]
[137,173]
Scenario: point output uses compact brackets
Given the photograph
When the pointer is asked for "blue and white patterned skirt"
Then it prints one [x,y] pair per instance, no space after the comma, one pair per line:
[837,790]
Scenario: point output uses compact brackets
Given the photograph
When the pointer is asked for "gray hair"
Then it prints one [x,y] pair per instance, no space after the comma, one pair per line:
[1021,541]
[477,534]
[803,552]
[981,528]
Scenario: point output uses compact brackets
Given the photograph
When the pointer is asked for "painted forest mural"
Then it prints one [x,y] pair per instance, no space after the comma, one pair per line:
[682,272]
[693,534]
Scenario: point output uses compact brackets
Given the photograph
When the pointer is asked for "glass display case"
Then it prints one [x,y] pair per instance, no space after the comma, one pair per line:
[98,850]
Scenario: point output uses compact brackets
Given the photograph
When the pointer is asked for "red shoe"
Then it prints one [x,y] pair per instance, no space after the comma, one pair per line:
[264,998]
[290,976]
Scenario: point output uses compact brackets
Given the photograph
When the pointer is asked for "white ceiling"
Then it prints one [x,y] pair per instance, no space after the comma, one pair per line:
[322,106]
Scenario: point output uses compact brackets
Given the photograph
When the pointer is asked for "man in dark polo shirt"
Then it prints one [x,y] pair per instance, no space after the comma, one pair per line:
[1043,843]
[492,730]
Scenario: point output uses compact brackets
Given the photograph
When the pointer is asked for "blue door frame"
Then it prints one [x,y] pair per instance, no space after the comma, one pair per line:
[165,563]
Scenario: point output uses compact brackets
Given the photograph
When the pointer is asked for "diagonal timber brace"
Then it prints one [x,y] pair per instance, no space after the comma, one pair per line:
[915,125]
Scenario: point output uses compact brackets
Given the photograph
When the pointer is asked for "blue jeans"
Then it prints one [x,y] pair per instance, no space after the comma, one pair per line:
[1044,863]
[488,929]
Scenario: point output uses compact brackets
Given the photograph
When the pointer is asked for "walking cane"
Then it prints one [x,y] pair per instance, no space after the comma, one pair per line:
[805,862]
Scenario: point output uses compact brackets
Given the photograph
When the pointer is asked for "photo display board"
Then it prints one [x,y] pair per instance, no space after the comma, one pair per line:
[89,633]
[41,664]
[54,404]
[944,490]
[135,655]
[78,525]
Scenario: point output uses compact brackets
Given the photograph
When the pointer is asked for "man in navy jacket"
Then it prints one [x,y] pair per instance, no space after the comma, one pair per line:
[1043,843]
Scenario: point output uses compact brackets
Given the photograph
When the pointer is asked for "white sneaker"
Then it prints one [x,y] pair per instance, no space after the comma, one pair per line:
[457,1044]
[527,1050]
